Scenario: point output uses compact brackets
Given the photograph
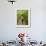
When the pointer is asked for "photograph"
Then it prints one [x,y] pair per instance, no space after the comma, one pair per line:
[23,17]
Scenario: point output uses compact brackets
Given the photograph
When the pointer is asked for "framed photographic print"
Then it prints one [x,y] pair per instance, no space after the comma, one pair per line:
[23,17]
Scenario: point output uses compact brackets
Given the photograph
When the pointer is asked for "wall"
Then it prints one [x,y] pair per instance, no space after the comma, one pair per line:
[8,28]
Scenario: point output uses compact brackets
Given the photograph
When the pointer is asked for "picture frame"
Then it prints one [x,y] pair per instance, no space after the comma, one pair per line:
[23,16]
